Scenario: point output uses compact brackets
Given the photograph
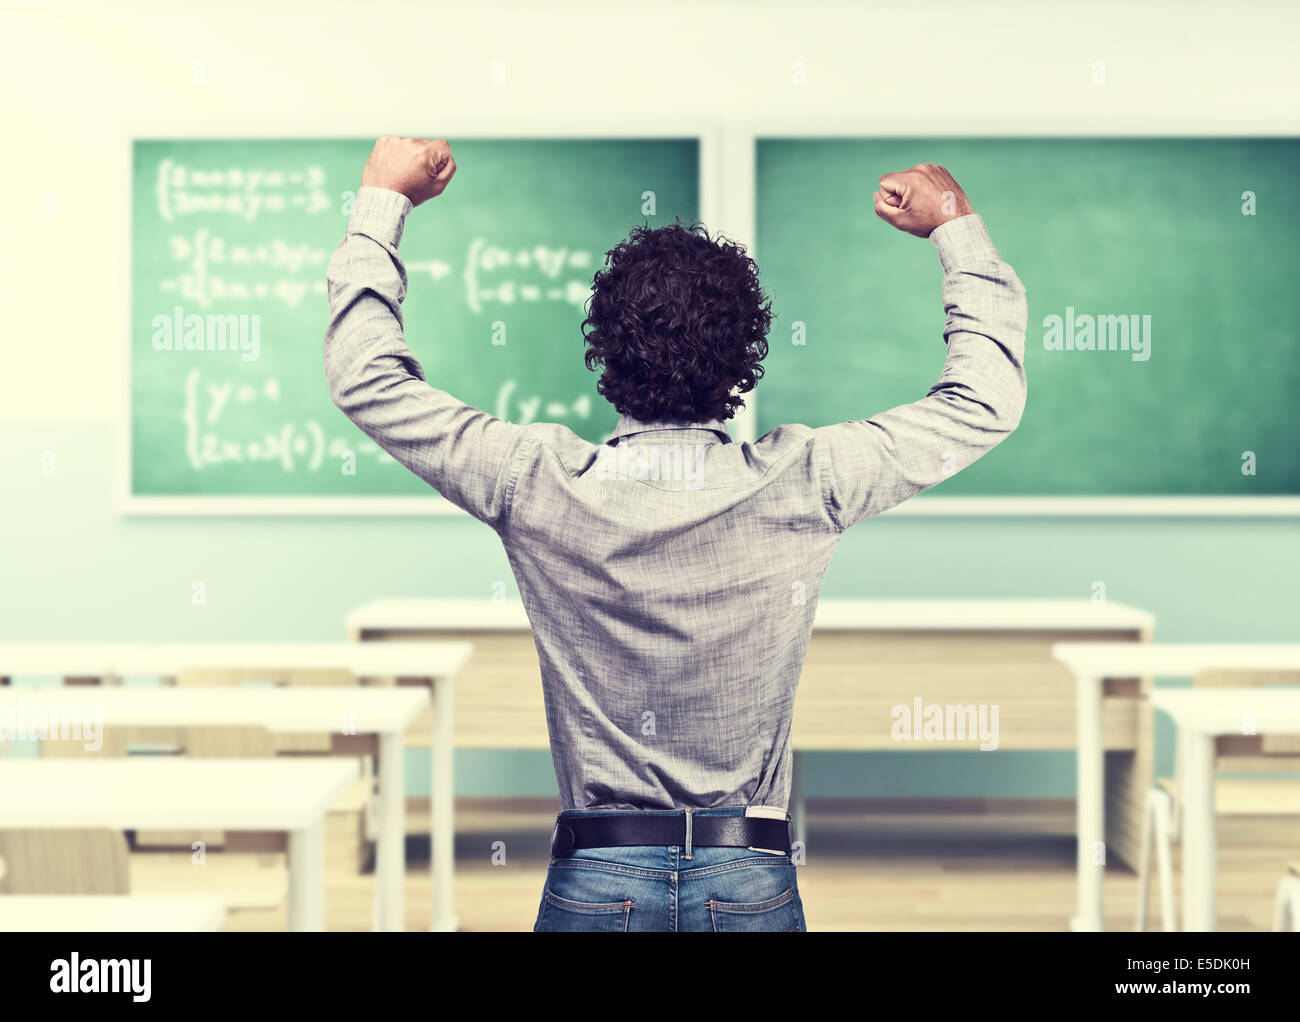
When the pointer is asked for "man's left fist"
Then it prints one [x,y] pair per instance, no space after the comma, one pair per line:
[416,167]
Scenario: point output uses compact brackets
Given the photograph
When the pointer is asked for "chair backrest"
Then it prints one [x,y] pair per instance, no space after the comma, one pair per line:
[228,742]
[210,742]
[284,742]
[57,861]
[116,742]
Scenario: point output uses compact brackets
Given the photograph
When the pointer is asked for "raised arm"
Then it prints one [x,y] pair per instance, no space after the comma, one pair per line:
[870,465]
[373,377]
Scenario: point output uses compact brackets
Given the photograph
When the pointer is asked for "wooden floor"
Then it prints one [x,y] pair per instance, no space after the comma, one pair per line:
[871,865]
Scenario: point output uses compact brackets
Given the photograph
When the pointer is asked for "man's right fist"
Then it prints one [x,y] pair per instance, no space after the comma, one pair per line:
[416,167]
[921,199]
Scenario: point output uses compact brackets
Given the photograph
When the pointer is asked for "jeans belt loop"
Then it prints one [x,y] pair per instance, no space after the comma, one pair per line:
[689,818]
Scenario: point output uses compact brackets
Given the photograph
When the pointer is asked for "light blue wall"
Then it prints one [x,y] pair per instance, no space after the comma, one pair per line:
[72,568]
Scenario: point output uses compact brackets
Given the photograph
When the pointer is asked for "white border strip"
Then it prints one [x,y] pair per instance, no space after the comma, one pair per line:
[1111,507]
[925,507]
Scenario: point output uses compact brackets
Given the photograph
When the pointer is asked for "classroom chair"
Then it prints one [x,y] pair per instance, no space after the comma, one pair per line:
[1267,796]
[349,826]
[211,676]
[64,861]
[210,742]
[205,742]
[344,849]
[1286,917]
[251,872]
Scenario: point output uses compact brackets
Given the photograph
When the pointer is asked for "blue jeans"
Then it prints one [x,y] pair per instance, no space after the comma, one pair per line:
[656,887]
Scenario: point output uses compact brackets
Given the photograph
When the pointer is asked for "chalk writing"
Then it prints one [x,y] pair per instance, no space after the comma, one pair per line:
[523,410]
[485,259]
[205,257]
[182,190]
[293,446]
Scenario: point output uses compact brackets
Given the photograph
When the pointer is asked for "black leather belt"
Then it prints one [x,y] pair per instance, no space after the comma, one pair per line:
[622,830]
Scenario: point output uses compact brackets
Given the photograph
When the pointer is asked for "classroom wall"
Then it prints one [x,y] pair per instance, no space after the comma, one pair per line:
[73,568]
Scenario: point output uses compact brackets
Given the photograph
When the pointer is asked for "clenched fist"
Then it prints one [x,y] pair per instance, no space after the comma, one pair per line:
[416,167]
[921,199]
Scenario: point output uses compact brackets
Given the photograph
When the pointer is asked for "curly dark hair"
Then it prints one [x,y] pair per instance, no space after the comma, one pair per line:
[678,321]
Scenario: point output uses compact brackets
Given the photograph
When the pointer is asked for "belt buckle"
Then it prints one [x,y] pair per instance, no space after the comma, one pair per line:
[562,840]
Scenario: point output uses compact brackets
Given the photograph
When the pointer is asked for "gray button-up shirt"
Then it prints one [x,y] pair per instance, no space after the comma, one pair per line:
[671,575]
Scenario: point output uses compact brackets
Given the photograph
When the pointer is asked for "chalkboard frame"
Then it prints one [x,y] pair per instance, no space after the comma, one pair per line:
[710,184]
[741,141]
[728,202]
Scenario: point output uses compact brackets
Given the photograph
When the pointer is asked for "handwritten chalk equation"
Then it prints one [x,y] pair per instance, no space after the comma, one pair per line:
[226,425]
[293,446]
[181,190]
[494,275]
[206,400]
[203,248]
[523,410]
[485,259]
[206,258]
[207,262]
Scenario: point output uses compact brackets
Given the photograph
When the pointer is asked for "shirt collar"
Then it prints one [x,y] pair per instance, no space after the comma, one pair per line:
[628,426]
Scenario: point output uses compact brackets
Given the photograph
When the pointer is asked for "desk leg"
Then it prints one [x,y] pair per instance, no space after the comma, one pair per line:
[390,851]
[307,878]
[1090,805]
[1199,909]
[442,847]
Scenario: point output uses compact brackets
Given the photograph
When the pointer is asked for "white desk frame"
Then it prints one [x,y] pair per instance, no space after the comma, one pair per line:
[110,913]
[141,792]
[417,616]
[1202,716]
[385,713]
[1092,664]
[435,662]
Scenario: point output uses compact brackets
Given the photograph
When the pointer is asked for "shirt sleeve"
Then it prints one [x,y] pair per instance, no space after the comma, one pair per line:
[375,380]
[869,465]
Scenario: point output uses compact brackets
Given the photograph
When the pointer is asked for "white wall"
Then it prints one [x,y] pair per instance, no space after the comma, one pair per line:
[76,84]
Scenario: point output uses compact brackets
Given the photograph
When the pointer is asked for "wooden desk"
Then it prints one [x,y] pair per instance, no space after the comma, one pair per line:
[384,713]
[865,657]
[435,664]
[109,913]
[290,795]
[1097,667]
[1202,715]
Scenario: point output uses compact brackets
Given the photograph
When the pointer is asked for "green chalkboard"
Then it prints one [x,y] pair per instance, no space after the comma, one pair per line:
[1102,227]
[245,228]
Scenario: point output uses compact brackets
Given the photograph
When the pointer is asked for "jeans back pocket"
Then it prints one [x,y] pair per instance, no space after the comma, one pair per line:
[775,914]
[561,915]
